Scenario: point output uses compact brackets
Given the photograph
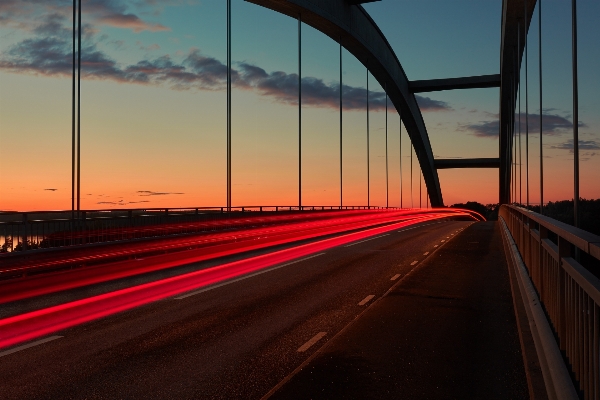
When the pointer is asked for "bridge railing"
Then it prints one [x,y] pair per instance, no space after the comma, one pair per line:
[563,264]
[25,231]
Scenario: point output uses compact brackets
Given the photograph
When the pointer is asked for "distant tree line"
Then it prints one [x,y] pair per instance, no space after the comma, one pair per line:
[559,210]
[563,211]
[489,211]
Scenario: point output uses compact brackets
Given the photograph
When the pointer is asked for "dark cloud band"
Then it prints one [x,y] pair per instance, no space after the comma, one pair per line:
[552,124]
[48,52]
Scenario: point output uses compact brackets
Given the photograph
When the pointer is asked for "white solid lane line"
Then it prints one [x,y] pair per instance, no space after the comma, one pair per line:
[425,253]
[312,341]
[366,300]
[395,277]
[366,240]
[413,263]
[28,345]
[245,277]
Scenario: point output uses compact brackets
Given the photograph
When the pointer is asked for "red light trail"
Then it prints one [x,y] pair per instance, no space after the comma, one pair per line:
[38,323]
[212,246]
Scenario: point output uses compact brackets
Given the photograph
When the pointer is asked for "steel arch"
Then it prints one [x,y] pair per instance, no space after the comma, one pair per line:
[351,26]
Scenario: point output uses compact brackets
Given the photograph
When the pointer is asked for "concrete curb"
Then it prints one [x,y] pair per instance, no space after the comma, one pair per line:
[556,375]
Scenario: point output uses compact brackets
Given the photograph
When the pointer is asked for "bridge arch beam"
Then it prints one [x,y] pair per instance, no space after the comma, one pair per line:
[353,28]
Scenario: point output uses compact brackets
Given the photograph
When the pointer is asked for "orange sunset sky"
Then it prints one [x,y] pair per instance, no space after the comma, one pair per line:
[153,105]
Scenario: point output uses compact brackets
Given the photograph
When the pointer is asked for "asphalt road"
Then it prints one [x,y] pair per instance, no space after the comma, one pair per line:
[236,341]
[447,331]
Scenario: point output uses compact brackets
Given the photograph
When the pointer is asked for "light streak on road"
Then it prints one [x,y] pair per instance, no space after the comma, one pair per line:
[35,324]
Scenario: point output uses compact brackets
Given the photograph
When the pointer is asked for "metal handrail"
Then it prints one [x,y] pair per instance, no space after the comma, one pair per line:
[568,290]
[20,231]
[204,208]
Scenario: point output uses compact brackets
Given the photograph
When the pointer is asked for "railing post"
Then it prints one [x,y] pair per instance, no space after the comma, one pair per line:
[83,227]
[130,216]
[542,271]
[564,250]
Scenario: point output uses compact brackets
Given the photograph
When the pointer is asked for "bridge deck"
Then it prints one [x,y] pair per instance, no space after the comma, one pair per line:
[446,331]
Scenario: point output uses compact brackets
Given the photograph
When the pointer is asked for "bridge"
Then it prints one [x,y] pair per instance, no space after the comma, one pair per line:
[346,275]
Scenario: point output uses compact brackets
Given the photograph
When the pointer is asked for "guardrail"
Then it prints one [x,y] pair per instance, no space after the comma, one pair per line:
[563,264]
[22,231]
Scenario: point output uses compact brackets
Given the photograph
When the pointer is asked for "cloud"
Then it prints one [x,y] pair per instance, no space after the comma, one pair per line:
[152,47]
[51,190]
[115,13]
[122,202]
[583,145]
[283,87]
[151,193]
[49,53]
[588,155]
[489,129]
[428,104]
[51,56]
[552,125]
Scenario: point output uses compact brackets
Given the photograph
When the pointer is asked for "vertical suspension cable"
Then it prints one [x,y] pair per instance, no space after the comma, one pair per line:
[520,154]
[387,182]
[515,93]
[79,109]
[512,137]
[575,117]
[509,139]
[73,115]
[541,112]
[228,105]
[514,127]
[412,205]
[368,150]
[299,112]
[526,33]
[341,166]
[400,137]
[420,187]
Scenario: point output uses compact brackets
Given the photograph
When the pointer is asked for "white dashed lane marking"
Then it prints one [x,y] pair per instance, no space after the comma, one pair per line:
[395,277]
[425,253]
[312,341]
[413,263]
[366,300]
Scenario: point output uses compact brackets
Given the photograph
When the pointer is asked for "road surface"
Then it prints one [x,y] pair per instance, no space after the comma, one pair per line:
[242,339]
